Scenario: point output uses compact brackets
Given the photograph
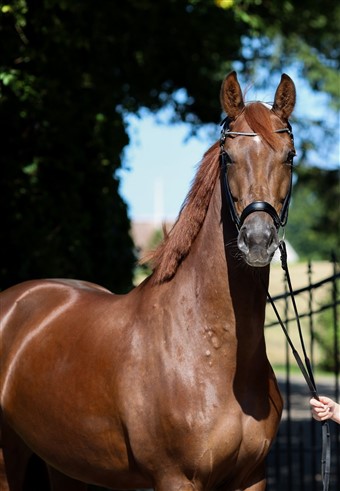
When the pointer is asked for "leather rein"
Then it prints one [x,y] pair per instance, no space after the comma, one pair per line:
[279,221]
[305,368]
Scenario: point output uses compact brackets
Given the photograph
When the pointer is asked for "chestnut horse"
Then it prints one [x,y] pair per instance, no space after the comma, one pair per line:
[168,386]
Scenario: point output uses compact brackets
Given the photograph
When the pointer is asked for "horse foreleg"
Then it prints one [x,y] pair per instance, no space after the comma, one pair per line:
[259,486]
[61,482]
[3,478]
[255,481]
[184,487]
[179,483]
[258,480]
[14,457]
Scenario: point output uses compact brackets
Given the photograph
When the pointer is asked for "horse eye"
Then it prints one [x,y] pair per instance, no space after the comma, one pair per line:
[290,157]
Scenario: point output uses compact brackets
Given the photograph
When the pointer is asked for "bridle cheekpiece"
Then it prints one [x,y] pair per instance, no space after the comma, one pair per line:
[255,206]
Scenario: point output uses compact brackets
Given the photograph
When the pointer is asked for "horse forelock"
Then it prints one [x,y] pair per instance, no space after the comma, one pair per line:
[259,118]
[176,244]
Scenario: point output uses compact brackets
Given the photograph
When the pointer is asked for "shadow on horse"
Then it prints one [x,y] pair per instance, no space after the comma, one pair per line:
[169,386]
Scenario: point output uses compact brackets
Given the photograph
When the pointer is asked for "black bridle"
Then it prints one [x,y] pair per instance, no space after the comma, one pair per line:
[279,220]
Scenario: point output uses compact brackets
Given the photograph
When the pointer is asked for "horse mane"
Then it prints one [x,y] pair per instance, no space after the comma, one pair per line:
[177,243]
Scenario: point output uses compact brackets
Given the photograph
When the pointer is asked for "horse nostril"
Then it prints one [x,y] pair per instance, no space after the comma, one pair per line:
[273,242]
[258,240]
[243,241]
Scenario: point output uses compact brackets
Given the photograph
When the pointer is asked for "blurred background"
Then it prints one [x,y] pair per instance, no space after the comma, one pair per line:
[107,107]
[89,90]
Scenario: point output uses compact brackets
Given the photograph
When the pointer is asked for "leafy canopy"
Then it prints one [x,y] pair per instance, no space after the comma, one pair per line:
[70,70]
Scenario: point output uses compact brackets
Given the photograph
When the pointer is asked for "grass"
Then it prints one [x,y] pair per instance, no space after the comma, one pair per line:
[275,339]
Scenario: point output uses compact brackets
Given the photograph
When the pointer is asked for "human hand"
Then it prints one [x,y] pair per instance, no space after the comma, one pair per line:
[324,408]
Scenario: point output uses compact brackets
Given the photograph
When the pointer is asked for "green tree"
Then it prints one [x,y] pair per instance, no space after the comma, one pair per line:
[313,227]
[70,70]
[325,334]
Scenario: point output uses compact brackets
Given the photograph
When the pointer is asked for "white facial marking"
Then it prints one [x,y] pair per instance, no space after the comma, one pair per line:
[257,140]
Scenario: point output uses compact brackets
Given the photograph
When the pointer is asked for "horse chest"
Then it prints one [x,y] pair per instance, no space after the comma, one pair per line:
[217,451]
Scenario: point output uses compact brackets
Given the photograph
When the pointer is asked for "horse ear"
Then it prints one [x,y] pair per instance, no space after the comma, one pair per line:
[285,97]
[231,96]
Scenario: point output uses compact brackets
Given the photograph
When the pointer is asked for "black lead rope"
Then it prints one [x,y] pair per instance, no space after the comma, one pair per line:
[306,369]
[279,221]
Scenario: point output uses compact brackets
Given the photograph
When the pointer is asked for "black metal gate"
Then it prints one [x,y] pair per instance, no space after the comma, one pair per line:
[294,463]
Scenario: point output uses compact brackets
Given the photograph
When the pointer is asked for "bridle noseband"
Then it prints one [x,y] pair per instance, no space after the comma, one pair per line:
[264,206]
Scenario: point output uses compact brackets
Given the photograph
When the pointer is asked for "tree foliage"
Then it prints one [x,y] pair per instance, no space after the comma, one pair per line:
[313,227]
[69,71]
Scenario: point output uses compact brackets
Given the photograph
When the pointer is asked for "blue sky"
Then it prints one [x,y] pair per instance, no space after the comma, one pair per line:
[160,161]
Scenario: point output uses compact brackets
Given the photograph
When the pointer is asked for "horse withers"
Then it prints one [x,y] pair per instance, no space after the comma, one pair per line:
[168,386]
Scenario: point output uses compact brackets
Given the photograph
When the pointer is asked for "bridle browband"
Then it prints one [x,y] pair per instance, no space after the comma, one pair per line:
[264,206]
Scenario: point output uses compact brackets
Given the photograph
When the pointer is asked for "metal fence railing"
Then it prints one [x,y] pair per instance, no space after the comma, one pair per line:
[294,462]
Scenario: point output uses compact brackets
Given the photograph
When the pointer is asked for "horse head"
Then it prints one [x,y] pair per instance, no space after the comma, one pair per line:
[257,150]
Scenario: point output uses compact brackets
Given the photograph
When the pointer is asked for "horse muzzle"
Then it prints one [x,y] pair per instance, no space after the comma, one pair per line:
[258,240]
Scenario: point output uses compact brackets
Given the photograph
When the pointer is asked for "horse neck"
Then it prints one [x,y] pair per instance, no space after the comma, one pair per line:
[229,296]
